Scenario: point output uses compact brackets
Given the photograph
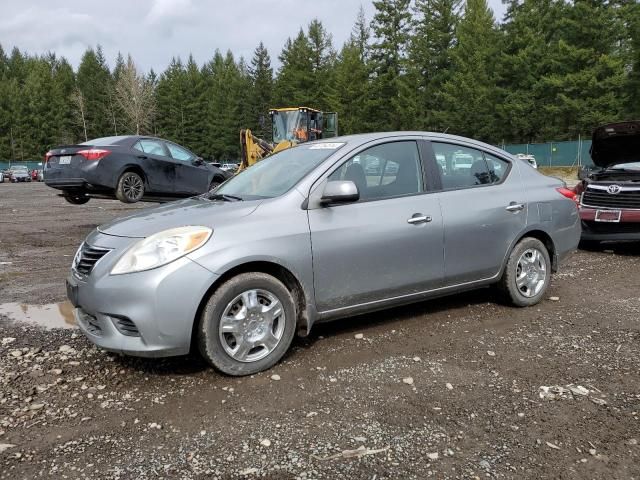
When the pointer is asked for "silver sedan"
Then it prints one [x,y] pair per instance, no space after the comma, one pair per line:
[318,232]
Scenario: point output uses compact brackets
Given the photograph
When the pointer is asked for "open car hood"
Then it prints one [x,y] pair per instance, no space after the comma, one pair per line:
[616,143]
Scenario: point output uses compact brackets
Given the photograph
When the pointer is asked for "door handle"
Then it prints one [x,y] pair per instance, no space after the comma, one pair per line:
[515,207]
[417,218]
[142,157]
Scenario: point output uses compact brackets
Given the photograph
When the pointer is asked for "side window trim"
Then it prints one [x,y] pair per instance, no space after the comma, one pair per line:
[472,147]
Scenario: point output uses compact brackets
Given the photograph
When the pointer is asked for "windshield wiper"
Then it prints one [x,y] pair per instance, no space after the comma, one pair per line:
[222,196]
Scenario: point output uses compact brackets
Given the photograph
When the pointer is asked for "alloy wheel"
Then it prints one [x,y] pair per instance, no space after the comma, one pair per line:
[132,186]
[531,272]
[252,325]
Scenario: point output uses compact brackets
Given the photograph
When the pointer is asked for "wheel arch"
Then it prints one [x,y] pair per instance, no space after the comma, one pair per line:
[132,167]
[545,238]
[276,270]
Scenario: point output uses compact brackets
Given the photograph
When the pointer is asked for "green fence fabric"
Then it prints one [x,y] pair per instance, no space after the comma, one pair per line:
[554,154]
[32,164]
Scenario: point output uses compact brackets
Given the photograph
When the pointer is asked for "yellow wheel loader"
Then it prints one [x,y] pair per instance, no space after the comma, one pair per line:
[290,126]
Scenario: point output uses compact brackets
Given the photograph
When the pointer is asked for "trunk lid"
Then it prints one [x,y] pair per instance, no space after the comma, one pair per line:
[616,143]
[69,156]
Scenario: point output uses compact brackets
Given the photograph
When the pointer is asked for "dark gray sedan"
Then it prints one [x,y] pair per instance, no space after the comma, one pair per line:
[315,233]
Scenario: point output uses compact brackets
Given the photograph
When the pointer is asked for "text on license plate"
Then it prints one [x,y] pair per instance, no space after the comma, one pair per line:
[608,216]
[65,160]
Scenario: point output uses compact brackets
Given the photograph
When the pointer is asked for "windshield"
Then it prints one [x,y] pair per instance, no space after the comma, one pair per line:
[289,125]
[19,168]
[278,173]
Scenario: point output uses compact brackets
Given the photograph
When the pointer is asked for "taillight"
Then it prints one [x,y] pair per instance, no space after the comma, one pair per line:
[94,153]
[569,193]
[47,156]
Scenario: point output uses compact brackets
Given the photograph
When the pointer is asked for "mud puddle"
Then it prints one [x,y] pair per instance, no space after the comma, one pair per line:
[54,315]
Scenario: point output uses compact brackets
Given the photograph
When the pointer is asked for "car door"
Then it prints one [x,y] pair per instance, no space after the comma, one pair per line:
[191,178]
[483,208]
[157,165]
[387,244]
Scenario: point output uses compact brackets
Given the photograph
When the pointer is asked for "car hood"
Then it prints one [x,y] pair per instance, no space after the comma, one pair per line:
[616,143]
[192,211]
[20,174]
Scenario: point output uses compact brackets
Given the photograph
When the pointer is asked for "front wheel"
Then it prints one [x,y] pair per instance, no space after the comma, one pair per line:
[528,273]
[130,188]
[247,325]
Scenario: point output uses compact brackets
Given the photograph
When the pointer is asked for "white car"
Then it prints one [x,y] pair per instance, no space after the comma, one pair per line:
[529,158]
[229,167]
[1,177]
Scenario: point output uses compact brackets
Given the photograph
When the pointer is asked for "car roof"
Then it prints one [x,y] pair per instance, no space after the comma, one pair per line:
[362,138]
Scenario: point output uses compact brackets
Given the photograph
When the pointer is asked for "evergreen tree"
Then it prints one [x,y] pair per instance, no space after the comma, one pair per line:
[583,88]
[94,81]
[350,93]
[391,27]
[430,57]
[294,83]
[322,57]
[470,95]
[261,75]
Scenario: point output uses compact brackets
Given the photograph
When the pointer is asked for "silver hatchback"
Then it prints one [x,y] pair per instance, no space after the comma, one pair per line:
[316,233]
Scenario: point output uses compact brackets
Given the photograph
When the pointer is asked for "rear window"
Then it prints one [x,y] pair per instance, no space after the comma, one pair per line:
[105,141]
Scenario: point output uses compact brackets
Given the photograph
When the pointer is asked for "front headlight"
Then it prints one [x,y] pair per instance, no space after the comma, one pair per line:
[161,248]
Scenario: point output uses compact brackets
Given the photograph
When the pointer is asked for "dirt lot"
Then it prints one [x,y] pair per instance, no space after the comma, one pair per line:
[474,407]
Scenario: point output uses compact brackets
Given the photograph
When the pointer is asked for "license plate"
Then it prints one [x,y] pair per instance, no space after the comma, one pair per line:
[65,160]
[612,216]
[72,293]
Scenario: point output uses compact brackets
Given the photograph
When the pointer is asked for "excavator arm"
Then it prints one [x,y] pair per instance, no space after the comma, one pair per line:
[252,149]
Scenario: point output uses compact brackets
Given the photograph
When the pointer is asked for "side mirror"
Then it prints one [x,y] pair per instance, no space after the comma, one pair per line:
[198,161]
[340,191]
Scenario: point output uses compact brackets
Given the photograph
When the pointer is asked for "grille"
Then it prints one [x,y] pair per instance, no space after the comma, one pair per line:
[601,198]
[87,257]
[126,326]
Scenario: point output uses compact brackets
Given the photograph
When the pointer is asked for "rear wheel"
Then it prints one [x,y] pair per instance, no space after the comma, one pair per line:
[247,325]
[528,273]
[76,198]
[130,188]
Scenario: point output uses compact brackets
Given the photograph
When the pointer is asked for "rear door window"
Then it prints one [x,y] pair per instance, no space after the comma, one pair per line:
[498,167]
[151,146]
[460,167]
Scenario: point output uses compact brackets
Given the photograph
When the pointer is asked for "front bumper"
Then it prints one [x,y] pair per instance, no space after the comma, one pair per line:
[627,229]
[146,314]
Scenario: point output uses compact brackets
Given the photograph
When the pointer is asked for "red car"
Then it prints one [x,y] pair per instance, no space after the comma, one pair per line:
[610,193]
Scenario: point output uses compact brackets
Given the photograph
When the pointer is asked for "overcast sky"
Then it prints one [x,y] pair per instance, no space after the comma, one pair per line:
[153,31]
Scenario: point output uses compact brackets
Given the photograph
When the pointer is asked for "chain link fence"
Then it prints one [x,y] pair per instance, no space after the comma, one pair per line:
[555,154]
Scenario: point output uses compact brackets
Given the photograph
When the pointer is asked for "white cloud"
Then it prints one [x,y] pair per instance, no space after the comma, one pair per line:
[153,31]
[169,12]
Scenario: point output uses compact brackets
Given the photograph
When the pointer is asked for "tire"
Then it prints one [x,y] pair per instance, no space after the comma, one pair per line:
[130,187]
[530,289]
[76,198]
[215,183]
[231,298]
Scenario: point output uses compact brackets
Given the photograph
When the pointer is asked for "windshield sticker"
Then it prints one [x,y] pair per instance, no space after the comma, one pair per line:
[325,146]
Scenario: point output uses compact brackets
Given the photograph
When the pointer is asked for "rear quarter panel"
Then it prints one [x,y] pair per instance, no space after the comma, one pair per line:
[549,211]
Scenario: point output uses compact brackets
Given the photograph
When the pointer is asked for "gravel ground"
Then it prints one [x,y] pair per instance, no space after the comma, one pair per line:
[461,387]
